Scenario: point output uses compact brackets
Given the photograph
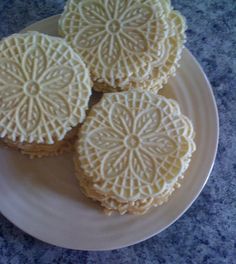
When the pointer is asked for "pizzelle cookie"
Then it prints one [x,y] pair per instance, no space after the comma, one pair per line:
[41,150]
[133,149]
[171,52]
[171,49]
[44,93]
[121,41]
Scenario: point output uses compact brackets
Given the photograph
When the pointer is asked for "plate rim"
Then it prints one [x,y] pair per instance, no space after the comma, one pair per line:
[212,160]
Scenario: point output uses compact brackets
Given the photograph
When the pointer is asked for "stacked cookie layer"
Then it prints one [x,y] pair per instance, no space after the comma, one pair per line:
[126,44]
[44,93]
[133,149]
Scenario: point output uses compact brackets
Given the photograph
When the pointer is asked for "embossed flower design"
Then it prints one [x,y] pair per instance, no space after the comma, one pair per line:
[132,146]
[113,27]
[34,89]
[114,36]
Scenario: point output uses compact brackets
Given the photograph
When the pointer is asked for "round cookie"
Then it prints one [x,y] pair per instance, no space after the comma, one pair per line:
[133,148]
[119,40]
[170,54]
[44,92]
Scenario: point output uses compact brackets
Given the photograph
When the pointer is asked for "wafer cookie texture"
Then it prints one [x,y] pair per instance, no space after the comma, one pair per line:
[44,88]
[117,39]
[134,146]
[34,150]
[171,52]
[122,42]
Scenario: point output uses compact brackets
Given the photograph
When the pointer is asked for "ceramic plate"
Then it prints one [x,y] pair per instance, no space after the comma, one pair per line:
[42,196]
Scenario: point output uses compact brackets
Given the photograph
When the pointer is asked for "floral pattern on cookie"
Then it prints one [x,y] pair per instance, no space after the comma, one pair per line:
[134,145]
[115,37]
[38,88]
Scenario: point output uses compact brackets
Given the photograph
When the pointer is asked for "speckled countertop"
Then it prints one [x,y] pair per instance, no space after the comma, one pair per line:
[207,232]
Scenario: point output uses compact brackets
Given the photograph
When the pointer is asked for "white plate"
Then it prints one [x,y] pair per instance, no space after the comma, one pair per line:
[42,197]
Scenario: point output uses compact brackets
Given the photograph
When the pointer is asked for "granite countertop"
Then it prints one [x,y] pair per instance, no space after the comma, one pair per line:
[207,231]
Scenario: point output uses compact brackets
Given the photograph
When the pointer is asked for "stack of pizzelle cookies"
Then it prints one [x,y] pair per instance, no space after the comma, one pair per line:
[133,149]
[125,44]
[44,93]
[133,145]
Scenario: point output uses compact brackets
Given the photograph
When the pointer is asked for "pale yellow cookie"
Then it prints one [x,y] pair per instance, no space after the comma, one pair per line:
[139,207]
[133,148]
[118,40]
[111,204]
[171,50]
[45,150]
[44,90]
